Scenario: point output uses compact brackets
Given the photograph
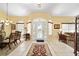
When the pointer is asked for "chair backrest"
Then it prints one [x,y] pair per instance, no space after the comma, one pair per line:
[1,38]
[18,34]
[62,37]
[12,37]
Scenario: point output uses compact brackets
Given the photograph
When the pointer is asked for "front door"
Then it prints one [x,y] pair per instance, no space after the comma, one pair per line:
[39,30]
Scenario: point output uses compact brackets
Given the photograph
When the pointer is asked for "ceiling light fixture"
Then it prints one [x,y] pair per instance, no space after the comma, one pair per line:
[39,5]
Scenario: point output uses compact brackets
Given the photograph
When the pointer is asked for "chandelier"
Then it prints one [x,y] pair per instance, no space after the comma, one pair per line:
[6,21]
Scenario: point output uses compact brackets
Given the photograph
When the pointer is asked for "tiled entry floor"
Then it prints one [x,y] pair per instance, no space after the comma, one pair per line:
[61,49]
[22,49]
[56,48]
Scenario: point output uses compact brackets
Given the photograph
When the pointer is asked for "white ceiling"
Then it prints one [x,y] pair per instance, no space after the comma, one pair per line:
[55,9]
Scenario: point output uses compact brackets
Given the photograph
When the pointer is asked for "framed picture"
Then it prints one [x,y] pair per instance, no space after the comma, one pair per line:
[56,26]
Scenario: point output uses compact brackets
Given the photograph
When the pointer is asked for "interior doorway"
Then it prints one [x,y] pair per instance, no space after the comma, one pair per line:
[39,29]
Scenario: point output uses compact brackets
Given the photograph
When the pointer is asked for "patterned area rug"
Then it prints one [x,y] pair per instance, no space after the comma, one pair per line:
[39,50]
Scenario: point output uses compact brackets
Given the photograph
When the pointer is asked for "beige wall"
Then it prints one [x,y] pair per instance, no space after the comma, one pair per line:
[55,19]
[60,20]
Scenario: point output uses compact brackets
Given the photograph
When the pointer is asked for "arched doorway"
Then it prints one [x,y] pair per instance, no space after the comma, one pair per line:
[39,29]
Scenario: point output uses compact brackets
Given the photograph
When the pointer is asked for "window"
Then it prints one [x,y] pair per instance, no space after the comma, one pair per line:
[68,27]
[49,28]
[20,27]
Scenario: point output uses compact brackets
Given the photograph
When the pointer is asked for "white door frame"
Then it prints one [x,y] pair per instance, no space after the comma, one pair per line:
[35,24]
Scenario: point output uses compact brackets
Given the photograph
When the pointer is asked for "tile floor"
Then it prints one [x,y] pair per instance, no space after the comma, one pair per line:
[57,49]
[61,49]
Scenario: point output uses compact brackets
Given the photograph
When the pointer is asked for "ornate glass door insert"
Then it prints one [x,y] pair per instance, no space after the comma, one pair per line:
[39,29]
